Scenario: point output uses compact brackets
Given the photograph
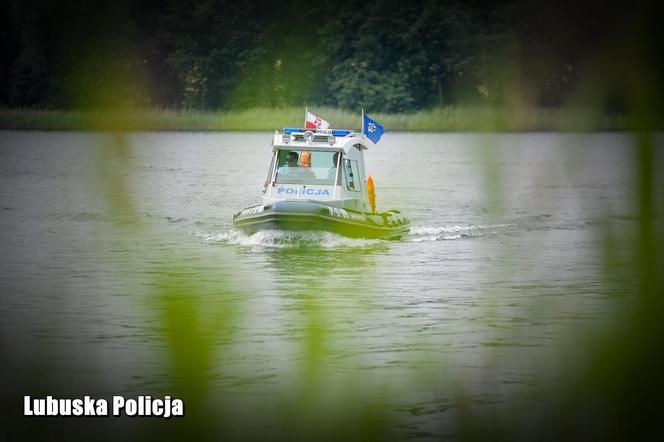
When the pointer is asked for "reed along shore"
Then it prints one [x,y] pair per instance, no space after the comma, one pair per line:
[456,118]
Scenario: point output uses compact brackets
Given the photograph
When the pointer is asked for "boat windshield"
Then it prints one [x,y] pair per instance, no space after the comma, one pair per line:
[306,167]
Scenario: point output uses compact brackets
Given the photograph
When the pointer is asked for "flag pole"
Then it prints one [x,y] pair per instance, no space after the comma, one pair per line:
[306,111]
[362,123]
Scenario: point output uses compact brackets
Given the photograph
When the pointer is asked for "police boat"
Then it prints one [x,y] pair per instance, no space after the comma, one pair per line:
[316,181]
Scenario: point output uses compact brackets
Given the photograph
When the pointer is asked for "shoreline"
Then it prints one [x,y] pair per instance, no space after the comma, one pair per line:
[445,119]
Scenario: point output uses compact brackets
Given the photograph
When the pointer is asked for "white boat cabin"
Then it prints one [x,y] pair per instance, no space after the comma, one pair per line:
[322,165]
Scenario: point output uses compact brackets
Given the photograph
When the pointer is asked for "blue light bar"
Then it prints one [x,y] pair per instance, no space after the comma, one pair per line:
[334,132]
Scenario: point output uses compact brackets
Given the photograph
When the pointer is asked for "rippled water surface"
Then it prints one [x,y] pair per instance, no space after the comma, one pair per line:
[489,295]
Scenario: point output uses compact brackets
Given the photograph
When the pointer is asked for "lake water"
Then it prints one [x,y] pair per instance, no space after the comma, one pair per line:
[121,274]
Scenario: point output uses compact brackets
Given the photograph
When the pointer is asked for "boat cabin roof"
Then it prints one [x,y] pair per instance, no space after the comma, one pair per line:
[323,140]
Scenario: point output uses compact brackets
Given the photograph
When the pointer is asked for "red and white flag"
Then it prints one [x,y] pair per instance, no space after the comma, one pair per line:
[314,122]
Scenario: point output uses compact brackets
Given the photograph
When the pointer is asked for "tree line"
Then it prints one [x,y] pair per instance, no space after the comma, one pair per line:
[383,55]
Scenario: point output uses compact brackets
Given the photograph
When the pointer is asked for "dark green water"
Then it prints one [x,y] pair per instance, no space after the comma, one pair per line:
[121,274]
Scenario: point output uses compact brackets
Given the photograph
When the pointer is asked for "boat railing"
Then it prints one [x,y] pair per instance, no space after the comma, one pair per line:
[333,132]
[328,136]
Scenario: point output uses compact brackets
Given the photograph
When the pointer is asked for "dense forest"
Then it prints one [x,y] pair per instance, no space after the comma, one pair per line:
[383,55]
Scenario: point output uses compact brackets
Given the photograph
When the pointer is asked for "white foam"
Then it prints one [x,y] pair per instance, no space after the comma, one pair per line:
[285,239]
[446,233]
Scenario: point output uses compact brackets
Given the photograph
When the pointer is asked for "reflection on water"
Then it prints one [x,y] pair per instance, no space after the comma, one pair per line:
[121,265]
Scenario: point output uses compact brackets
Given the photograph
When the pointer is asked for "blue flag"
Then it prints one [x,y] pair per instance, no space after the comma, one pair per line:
[372,129]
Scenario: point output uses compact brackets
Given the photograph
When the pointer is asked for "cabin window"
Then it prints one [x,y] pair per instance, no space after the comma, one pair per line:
[352,175]
[305,166]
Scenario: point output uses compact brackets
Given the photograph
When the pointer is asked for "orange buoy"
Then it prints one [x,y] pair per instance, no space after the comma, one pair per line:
[371,190]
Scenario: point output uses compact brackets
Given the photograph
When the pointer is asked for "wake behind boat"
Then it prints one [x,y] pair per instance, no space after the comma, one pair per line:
[316,181]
